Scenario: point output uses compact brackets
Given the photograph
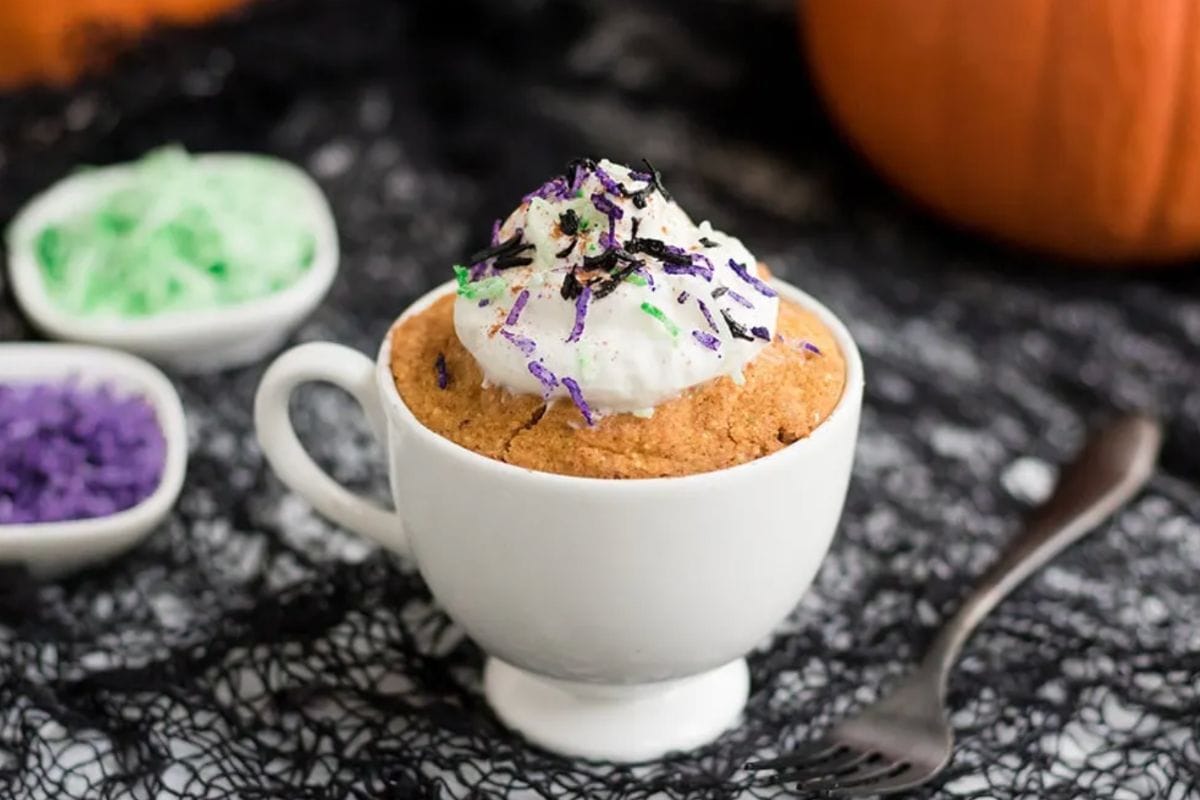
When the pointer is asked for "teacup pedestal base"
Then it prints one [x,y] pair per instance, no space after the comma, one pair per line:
[626,724]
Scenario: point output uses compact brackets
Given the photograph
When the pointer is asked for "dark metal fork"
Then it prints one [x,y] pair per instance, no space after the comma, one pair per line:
[905,739]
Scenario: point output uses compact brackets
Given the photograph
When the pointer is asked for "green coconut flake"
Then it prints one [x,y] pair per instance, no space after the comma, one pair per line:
[637,280]
[178,235]
[658,314]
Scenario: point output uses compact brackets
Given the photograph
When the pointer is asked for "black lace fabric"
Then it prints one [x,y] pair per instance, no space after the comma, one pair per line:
[249,649]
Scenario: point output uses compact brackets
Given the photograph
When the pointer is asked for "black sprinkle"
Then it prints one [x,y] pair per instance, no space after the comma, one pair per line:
[512,261]
[636,222]
[568,221]
[571,287]
[603,287]
[737,330]
[566,251]
[704,240]
[509,247]
[656,180]
[609,258]
[656,248]
[720,290]
[575,165]
[439,366]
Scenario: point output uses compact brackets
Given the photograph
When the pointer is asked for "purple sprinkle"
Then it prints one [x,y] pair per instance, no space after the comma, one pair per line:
[478,270]
[606,180]
[683,296]
[737,298]
[484,302]
[606,206]
[644,177]
[707,339]
[707,316]
[647,276]
[761,332]
[744,274]
[688,269]
[439,366]
[581,304]
[526,346]
[577,397]
[69,453]
[812,348]
[544,376]
[552,187]
[608,239]
[495,233]
[515,313]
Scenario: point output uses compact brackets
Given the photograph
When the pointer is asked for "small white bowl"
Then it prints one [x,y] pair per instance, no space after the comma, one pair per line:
[192,341]
[49,549]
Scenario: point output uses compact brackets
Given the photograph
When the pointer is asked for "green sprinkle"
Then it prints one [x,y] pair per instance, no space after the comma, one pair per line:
[178,235]
[579,192]
[658,314]
[462,275]
[488,288]
[636,280]
[584,225]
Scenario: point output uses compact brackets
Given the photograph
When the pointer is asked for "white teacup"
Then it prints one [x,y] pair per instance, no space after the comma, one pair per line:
[615,613]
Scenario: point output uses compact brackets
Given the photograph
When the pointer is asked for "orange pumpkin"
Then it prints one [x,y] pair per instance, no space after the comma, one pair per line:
[1068,127]
[47,40]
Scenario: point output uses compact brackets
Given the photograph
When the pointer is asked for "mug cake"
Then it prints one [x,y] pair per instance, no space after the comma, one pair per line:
[602,333]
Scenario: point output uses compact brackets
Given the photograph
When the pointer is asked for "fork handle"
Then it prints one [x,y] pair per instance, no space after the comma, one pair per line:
[1113,466]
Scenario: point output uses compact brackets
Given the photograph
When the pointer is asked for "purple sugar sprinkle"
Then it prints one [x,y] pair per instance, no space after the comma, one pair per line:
[683,296]
[687,269]
[495,233]
[544,376]
[737,298]
[607,207]
[704,261]
[526,346]
[478,270]
[644,177]
[646,274]
[708,316]
[761,332]
[69,453]
[606,180]
[577,398]
[753,280]
[514,313]
[484,302]
[812,348]
[581,304]
[707,339]
[554,187]
[443,376]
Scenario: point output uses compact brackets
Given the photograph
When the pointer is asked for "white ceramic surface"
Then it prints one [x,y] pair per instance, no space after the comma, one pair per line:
[50,549]
[582,588]
[193,341]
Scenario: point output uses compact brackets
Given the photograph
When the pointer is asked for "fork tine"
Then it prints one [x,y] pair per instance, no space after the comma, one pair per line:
[910,776]
[806,753]
[863,777]
[846,764]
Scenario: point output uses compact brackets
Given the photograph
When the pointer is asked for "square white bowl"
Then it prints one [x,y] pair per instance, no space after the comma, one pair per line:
[193,341]
[49,549]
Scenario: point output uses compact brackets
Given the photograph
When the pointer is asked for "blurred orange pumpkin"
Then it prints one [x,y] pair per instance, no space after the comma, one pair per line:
[1072,128]
[49,40]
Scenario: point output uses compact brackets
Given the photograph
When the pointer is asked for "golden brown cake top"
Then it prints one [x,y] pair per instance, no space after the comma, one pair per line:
[788,390]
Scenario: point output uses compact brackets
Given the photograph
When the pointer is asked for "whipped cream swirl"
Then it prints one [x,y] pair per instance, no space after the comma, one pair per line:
[599,288]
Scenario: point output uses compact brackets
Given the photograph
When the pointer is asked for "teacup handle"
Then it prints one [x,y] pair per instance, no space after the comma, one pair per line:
[349,370]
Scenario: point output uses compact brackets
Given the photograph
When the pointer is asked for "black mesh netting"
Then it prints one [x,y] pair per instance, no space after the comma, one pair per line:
[248,649]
